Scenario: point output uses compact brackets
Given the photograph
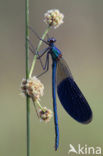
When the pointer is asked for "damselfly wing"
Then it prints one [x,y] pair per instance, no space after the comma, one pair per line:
[70,95]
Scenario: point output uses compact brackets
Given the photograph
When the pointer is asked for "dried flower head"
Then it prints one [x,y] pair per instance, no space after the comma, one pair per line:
[33,87]
[53,18]
[45,114]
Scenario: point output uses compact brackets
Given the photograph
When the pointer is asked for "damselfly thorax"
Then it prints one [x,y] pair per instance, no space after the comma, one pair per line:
[54,51]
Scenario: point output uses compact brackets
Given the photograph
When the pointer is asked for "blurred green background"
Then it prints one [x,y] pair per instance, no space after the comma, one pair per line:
[80,39]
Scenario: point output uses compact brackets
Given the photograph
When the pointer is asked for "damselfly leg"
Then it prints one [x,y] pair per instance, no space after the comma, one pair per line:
[39,55]
[46,66]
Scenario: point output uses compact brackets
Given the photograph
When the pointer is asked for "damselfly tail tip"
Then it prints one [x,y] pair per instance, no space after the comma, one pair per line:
[56,147]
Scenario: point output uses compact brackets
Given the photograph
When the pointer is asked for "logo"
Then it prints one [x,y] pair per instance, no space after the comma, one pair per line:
[85,150]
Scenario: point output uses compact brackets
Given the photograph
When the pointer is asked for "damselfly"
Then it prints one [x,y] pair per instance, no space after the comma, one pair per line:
[70,96]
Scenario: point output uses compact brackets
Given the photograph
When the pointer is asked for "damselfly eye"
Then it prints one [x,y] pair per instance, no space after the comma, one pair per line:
[51,40]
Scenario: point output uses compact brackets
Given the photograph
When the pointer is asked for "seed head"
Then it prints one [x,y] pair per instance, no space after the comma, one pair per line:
[53,18]
[45,114]
[33,87]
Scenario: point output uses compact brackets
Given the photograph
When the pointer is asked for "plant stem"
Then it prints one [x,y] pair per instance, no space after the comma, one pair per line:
[38,47]
[40,105]
[27,73]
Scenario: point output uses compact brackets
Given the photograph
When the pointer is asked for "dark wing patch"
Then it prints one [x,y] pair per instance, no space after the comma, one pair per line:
[71,97]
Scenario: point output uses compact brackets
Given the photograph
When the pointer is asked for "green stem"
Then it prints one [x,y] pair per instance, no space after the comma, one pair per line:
[40,105]
[27,73]
[38,47]
[37,102]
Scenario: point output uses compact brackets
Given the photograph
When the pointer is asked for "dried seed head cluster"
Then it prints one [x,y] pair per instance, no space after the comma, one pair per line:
[45,114]
[33,87]
[53,18]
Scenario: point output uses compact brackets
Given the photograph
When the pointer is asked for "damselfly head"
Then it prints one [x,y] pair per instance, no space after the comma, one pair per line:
[51,40]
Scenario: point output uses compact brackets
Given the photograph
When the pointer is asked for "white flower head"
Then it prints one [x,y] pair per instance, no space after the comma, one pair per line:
[53,18]
[33,87]
[45,114]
